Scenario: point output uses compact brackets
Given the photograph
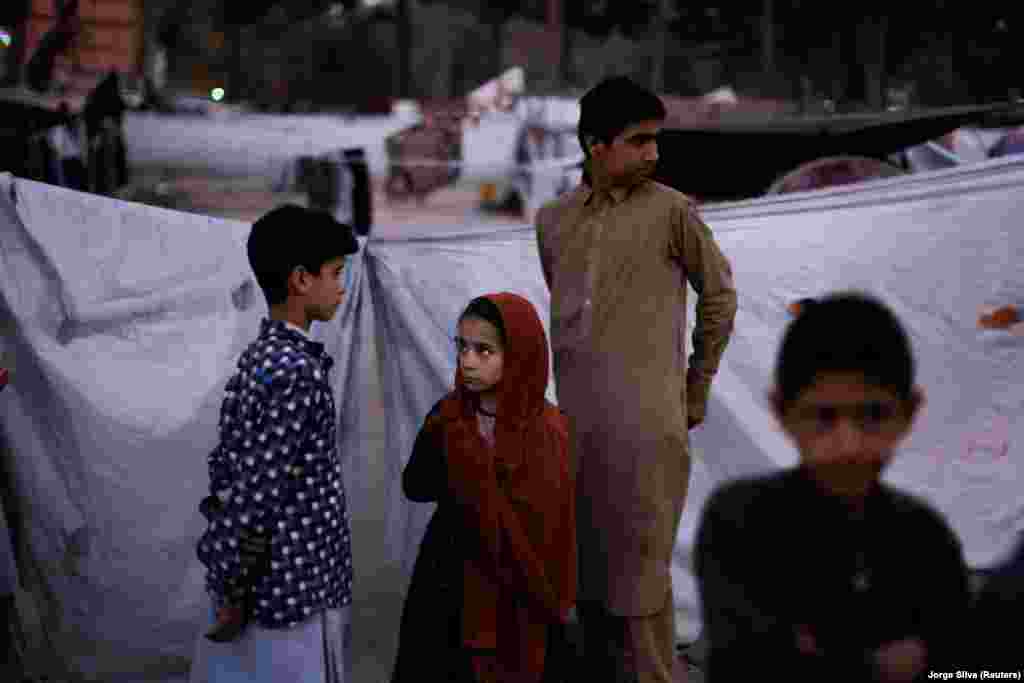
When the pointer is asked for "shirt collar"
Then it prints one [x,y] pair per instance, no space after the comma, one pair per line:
[296,328]
[282,327]
[616,194]
[830,507]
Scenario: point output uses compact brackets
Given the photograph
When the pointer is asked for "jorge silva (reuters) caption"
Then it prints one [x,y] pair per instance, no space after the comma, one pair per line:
[973,675]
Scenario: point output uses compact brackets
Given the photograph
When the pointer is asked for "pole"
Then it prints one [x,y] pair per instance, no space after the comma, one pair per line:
[768,38]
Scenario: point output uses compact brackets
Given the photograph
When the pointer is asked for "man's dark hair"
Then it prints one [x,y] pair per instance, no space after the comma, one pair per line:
[844,332]
[612,106]
[289,237]
[484,309]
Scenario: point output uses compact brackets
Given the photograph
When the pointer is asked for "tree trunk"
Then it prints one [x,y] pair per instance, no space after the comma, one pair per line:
[875,58]
[768,39]
[498,41]
[237,72]
[661,47]
[559,8]
[840,75]
[404,50]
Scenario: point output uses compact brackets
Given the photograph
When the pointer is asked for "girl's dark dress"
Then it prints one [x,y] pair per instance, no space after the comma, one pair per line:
[429,646]
[430,640]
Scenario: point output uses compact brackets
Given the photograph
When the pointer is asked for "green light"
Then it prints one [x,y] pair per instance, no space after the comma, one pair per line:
[217,94]
[5,38]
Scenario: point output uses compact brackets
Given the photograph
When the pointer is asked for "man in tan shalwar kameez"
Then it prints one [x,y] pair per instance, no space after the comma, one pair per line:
[617,254]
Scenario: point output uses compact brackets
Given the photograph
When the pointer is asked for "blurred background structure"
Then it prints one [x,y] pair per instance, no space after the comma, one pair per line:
[355,53]
[472,103]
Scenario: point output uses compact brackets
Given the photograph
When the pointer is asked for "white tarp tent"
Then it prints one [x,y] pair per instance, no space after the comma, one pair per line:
[129,319]
[254,144]
[966,145]
[497,94]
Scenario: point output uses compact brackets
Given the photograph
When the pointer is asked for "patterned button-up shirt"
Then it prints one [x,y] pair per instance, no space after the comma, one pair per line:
[277,472]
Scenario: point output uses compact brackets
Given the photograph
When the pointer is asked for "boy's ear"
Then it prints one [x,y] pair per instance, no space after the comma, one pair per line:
[298,280]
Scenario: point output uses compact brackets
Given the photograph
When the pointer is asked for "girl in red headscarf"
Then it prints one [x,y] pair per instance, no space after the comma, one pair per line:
[495,580]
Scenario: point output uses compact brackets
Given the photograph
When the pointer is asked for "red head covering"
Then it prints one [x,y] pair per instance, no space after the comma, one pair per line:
[519,499]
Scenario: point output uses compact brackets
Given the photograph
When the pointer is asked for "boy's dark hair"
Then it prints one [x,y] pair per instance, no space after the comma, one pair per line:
[290,236]
[484,309]
[612,106]
[844,332]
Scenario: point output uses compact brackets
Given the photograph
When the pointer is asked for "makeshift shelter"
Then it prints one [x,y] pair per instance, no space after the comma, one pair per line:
[1011,143]
[127,320]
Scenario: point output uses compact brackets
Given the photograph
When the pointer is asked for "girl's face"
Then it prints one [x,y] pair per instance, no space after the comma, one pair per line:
[480,354]
[846,430]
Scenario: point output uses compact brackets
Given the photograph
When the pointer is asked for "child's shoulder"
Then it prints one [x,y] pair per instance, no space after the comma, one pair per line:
[274,361]
[741,495]
[914,511]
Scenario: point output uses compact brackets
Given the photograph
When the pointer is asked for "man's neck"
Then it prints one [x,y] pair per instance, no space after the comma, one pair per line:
[599,180]
[602,182]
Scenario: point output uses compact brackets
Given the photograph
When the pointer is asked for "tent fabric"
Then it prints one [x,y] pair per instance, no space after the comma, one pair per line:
[9,582]
[255,145]
[962,146]
[128,320]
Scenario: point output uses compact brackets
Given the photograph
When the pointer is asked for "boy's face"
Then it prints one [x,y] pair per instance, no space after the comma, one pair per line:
[846,430]
[324,291]
[631,156]
[481,354]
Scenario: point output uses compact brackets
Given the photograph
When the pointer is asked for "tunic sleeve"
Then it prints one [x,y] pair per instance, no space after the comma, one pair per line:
[741,625]
[544,223]
[993,645]
[710,274]
[219,462]
[425,477]
[944,609]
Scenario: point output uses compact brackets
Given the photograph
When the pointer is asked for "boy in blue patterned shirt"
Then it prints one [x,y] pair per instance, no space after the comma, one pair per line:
[277,547]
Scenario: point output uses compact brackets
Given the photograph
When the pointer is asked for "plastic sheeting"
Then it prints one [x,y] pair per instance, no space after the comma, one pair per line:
[129,320]
[251,145]
[962,146]
[8,568]
[935,247]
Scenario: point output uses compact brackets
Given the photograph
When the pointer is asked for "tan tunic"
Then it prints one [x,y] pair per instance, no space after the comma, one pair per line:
[617,264]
